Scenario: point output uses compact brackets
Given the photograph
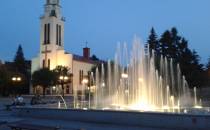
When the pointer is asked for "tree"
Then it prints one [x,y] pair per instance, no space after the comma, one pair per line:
[172,45]
[21,66]
[153,41]
[62,72]
[207,72]
[208,64]
[94,58]
[19,60]
[4,81]
[192,69]
[43,77]
[166,44]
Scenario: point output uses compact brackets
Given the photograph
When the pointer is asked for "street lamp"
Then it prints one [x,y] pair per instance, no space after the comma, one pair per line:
[85,81]
[63,78]
[16,79]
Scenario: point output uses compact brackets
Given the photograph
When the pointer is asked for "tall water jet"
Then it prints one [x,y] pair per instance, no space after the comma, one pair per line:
[145,82]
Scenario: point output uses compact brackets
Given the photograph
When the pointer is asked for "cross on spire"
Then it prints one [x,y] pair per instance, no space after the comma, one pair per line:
[86,44]
[45,52]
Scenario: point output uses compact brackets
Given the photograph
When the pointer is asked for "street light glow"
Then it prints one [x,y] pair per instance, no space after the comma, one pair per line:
[124,75]
[61,77]
[66,78]
[54,87]
[14,79]
[85,81]
[18,79]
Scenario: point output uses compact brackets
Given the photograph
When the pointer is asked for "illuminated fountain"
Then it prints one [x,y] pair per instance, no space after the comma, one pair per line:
[127,87]
[133,82]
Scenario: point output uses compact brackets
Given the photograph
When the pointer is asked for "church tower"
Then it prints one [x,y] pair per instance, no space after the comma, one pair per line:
[52,53]
[52,33]
[52,26]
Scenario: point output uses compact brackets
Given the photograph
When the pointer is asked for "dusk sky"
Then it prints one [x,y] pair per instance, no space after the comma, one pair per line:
[103,23]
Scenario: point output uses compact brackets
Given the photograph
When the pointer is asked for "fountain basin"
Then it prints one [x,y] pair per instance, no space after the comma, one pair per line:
[130,118]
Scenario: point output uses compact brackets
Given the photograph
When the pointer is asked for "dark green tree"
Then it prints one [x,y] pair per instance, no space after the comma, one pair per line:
[19,60]
[43,77]
[166,44]
[172,45]
[176,40]
[153,41]
[21,66]
[94,58]
[208,72]
[62,72]
[4,81]
[191,68]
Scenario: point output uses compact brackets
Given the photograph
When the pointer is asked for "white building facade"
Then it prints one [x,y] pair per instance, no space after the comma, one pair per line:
[52,53]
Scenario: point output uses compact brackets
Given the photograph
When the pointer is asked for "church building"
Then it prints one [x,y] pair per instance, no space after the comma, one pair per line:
[52,53]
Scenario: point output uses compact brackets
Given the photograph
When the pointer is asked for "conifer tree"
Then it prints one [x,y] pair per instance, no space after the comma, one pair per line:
[153,41]
[19,61]
[22,67]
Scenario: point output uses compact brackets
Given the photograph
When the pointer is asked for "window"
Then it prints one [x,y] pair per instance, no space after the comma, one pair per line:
[80,76]
[57,34]
[47,33]
[48,39]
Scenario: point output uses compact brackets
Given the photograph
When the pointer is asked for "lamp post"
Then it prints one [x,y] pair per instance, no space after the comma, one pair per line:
[63,78]
[16,79]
